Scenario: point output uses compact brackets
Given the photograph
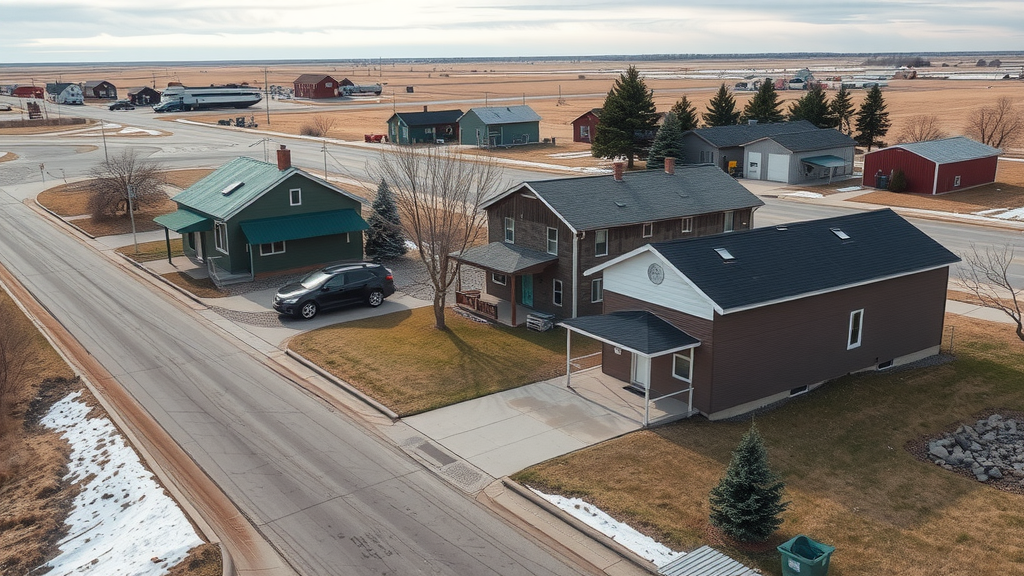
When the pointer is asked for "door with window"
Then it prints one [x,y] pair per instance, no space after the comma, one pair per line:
[753,165]
[641,372]
[527,289]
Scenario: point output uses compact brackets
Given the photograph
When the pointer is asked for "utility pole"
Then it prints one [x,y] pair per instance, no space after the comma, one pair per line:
[266,90]
[131,213]
[325,159]
[103,134]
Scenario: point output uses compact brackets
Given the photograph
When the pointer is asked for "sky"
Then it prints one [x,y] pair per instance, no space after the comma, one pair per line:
[40,31]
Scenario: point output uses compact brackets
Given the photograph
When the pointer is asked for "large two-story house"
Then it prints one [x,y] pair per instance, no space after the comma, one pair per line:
[543,234]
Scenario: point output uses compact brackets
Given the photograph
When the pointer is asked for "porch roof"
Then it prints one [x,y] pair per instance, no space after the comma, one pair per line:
[184,221]
[505,258]
[637,331]
[297,227]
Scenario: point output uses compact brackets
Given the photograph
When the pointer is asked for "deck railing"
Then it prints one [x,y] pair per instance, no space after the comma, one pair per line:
[470,300]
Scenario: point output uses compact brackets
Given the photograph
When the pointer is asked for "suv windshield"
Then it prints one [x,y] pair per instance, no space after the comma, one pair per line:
[314,279]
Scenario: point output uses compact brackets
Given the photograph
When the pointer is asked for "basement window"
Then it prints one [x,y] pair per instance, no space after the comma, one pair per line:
[798,390]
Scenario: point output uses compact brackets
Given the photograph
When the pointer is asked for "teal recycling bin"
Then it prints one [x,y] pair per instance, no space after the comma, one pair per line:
[802,556]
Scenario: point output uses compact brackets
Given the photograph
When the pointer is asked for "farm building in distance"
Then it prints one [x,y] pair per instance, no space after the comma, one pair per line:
[499,126]
[99,89]
[417,127]
[143,96]
[64,93]
[934,166]
[315,86]
[26,91]
[585,126]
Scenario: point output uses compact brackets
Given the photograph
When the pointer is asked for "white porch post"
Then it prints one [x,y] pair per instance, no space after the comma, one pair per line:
[647,394]
[568,356]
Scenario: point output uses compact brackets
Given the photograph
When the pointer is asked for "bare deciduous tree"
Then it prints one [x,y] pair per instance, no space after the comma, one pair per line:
[999,124]
[321,125]
[920,128]
[438,193]
[986,274]
[114,178]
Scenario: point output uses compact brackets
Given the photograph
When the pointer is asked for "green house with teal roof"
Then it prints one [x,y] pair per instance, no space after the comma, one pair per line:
[250,218]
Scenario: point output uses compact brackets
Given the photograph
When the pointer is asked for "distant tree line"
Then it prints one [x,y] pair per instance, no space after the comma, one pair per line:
[898,60]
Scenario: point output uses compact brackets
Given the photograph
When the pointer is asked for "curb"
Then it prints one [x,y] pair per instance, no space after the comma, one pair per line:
[344,385]
[62,219]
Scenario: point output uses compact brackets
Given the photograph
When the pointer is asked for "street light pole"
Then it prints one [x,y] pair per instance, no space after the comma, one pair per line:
[103,134]
[131,213]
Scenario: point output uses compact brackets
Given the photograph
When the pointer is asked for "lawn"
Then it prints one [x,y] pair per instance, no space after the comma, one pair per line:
[1006,192]
[402,361]
[843,452]
[150,251]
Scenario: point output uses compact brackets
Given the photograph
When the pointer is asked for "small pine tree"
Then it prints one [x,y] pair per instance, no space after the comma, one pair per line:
[721,109]
[628,119]
[764,106]
[872,119]
[384,237]
[747,503]
[898,182]
[668,143]
[813,107]
[841,109]
[686,113]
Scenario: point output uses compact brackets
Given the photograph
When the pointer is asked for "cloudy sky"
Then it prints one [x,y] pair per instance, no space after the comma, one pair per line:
[133,30]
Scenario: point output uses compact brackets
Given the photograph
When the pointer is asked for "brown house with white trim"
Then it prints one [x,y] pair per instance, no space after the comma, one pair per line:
[543,234]
[740,321]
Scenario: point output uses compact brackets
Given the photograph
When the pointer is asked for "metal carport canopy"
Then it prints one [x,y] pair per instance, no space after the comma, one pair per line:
[312,225]
[827,161]
[184,221]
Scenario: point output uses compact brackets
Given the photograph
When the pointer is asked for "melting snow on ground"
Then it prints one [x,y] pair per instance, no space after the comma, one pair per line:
[1003,213]
[849,189]
[594,517]
[802,194]
[133,130]
[122,519]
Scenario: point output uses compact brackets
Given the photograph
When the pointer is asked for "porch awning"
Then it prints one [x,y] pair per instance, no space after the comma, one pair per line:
[637,331]
[505,258]
[825,161]
[184,221]
[313,225]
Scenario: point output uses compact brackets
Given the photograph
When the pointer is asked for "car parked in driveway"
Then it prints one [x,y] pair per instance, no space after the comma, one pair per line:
[336,286]
[122,105]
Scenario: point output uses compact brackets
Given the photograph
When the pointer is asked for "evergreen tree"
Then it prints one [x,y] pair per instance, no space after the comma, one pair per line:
[764,106]
[841,109]
[686,113]
[384,237]
[628,119]
[813,107]
[898,182]
[872,119]
[668,143]
[722,109]
[747,502]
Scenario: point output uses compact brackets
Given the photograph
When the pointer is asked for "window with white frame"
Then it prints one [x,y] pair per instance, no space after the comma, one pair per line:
[707,157]
[728,221]
[498,279]
[220,236]
[597,290]
[272,248]
[956,181]
[585,132]
[510,230]
[295,196]
[688,224]
[856,327]
[556,293]
[553,241]
[682,365]
[601,243]
[648,229]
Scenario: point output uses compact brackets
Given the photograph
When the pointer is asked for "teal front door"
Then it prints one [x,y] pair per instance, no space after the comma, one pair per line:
[527,290]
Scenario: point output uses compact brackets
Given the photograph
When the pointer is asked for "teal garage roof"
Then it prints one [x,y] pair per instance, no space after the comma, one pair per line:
[313,225]
[184,221]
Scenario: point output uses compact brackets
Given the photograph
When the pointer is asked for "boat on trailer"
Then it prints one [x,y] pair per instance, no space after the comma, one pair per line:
[178,98]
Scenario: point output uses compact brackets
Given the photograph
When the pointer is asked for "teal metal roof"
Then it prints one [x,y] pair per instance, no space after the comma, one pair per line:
[505,114]
[254,176]
[827,161]
[313,225]
[184,221]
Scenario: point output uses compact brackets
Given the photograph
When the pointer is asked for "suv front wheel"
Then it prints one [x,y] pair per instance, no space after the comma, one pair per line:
[376,298]
[308,310]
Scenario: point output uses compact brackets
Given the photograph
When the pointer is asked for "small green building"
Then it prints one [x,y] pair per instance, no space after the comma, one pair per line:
[499,126]
[424,127]
[250,218]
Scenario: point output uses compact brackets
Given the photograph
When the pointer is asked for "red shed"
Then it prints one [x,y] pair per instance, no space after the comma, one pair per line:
[584,127]
[26,91]
[315,86]
[935,166]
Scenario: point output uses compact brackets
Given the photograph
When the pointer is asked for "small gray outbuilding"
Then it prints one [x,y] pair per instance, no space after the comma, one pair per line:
[799,157]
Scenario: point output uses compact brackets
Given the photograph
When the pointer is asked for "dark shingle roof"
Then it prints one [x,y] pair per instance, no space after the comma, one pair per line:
[782,262]
[58,87]
[740,134]
[595,202]
[95,83]
[641,331]
[505,258]
[955,149]
[429,118]
[819,139]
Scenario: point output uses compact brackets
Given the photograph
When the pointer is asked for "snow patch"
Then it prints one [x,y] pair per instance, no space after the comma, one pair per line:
[802,194]
[570,155]
[133,130]
[1014,214]
[850,189]
[122,519]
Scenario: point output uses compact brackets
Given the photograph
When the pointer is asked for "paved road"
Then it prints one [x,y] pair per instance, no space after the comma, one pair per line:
[331,496]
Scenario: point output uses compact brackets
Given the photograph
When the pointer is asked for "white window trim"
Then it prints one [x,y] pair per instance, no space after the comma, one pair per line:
[689,357]
[597,233]
[730,221]
[647,230]
[223,226]
[555,230]
[272,251]
[510,230]
[495,276]
[859,315]
[291,197]
[688,224]
[956,181]
[597,285]
[556,293]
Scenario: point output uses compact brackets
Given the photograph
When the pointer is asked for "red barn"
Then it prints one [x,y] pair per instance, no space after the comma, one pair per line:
[315,86]
[584,127]
[935,166]
[26,91]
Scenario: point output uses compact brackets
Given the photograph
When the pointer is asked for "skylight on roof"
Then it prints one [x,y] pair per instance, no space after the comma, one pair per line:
[725,254]
[231,188]
[620,204]
[842,235]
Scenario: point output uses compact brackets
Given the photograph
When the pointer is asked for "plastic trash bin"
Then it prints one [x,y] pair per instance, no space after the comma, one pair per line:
[802,556]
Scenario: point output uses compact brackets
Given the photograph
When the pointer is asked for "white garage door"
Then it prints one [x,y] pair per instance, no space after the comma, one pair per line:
[778,167]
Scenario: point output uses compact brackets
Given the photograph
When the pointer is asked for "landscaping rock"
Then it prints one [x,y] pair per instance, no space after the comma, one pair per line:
[938,451]
[991,449]
[994,473]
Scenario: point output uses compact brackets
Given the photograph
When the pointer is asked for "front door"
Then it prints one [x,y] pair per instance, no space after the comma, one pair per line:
[197,244]
[753,171]
[641,371]
[527,290]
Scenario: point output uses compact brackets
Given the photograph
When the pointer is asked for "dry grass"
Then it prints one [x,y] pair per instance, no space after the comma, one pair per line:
[201,287]
[203,560]
[842,452]
[1006,192]
[150,251]
[8,156]
[123,224]
[29,130]
[401,360]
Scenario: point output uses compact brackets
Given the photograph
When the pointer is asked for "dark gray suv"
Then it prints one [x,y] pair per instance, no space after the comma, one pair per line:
[336,286]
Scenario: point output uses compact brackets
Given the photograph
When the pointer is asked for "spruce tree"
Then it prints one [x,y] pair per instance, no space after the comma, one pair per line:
[686,113]
[668,143]
[628,119]
[841,109]
[764,106]
[722,109]
[813,107]
[384,237]
[872,119]
[747,503]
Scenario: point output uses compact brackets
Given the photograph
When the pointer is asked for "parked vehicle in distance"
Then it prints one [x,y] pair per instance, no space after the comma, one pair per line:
[122,105]
[5,107]
[169,106]
[335,286]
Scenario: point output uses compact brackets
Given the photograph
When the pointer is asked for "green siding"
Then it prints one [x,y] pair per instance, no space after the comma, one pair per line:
[311,252]
[507,133]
